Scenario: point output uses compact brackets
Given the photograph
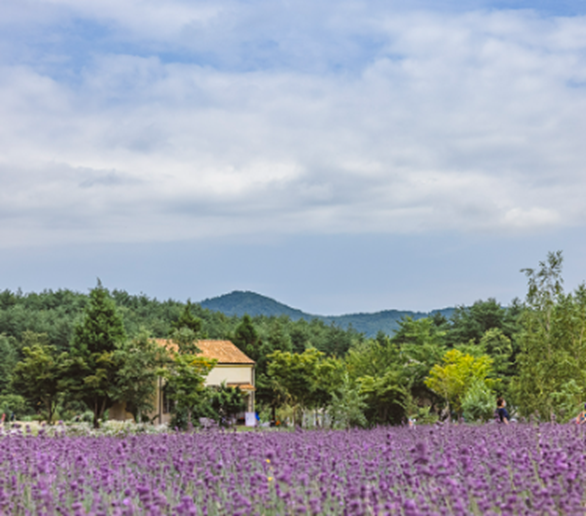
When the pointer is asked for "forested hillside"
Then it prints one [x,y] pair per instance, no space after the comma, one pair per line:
[387,321]
[55,314]
[251,303]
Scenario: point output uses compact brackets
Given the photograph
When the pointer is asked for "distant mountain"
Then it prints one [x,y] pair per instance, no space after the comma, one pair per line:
[240,303]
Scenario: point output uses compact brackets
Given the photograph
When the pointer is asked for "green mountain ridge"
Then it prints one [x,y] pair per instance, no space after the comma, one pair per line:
[245,302]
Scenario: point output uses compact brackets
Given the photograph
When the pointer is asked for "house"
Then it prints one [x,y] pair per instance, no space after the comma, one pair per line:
[233,367]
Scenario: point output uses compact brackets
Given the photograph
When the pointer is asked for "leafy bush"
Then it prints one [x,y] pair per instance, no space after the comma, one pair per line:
[568,401]
[346,409]
[14,403]
[478,403]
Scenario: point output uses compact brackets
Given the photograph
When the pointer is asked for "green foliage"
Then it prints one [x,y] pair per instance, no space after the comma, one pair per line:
[347,406]
[14,404]
[421,344]
[499,347]
[8,359]
[372,358]
[330,377]
[569,401]
[39,377]
[385,397]
[418,332]
[552,357]
[185,376]
[478,403]
[391,371]
[218,404]
[246,337]
[537,350]
[186,340]
[471,323]
[56,313]
[102,329]
[226,402]
[94,365]
[259,346]
[297,374]
[424,415]
[459,372]
[189,321]
[138,360]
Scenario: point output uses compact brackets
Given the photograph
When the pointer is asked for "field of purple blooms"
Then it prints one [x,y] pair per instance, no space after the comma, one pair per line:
[491,469]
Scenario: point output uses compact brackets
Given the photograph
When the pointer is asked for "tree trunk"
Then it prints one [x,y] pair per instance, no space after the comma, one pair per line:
[96,415]
[49,411]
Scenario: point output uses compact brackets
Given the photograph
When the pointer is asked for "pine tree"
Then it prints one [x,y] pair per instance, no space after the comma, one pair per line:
[94,366]
[187,320]
[246,337]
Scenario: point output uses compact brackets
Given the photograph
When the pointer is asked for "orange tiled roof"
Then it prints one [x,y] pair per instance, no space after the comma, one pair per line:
[224,351]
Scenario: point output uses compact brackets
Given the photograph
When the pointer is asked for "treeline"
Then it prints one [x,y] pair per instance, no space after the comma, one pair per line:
[51,350]
[55,314]
[533,353]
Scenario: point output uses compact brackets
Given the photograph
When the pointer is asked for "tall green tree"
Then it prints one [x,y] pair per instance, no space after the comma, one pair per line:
[471,323]
[186,341]
[499,347]
[552,357]
[39,377]
[385,397]
[94,365]
[139,360]
[297,374]
[188,320]
[246,337]
[8,359]
[185,377]
[347,405]
[372,357]
[422,345]
[418,332]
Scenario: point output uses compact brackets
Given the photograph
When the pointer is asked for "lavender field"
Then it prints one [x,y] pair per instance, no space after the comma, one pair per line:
[492,469]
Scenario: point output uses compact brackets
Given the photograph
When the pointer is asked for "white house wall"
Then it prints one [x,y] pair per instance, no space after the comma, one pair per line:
[230,374]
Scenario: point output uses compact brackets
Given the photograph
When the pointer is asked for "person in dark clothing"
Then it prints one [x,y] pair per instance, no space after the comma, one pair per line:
[501,411]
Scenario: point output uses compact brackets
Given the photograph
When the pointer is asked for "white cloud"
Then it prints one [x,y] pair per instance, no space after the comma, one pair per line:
[468,122]
[142,18]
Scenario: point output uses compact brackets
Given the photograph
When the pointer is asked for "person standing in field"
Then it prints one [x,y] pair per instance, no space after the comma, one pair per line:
[581,417]
[501,410]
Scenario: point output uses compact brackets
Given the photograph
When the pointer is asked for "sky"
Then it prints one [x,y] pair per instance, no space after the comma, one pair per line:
[339,156]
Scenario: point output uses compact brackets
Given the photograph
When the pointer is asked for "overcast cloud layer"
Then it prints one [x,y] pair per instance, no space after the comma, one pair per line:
[338,156]
[157,121]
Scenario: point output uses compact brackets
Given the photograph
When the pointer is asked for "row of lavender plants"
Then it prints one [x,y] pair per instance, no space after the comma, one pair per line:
[436,470]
